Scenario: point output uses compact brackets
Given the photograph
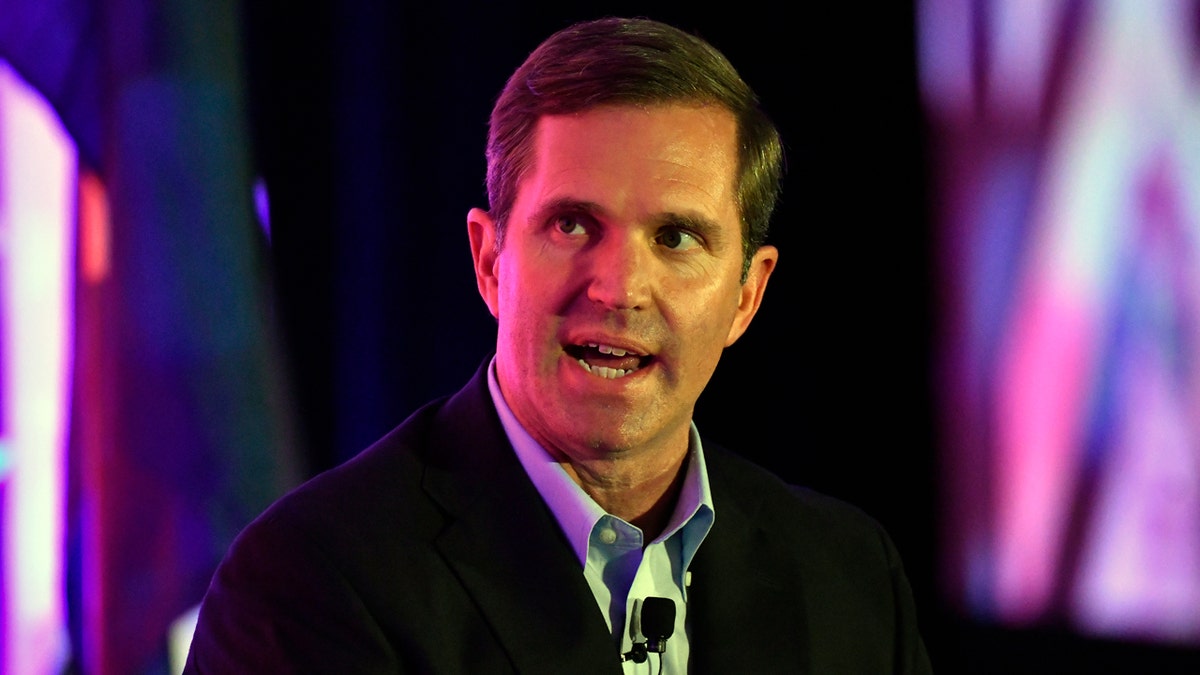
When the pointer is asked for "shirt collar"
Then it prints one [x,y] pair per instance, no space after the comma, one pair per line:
[577,513]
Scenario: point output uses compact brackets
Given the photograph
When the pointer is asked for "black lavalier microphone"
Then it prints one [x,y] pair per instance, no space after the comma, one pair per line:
[656,618]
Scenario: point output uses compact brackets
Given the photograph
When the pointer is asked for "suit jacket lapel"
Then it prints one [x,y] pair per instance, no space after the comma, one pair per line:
[743,604]
[508,550]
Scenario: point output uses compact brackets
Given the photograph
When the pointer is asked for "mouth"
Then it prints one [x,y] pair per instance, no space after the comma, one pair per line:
[607,361]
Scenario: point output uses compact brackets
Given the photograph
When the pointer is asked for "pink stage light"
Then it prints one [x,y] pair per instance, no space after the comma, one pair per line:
[37,186]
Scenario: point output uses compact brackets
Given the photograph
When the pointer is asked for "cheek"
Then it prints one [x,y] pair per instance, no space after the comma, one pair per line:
[525,309]
[709,301]
[517,285]
[711,317]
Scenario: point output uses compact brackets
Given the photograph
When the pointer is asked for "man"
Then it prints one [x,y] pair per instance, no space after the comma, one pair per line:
[561,513]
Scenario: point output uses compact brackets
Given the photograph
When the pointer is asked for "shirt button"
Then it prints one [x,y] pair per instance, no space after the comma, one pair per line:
[608,535]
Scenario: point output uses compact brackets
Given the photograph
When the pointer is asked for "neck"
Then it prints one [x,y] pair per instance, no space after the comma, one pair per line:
[642,495]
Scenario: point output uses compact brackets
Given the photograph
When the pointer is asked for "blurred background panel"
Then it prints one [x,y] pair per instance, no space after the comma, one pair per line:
[171,425]
[37,186]
[1063,139]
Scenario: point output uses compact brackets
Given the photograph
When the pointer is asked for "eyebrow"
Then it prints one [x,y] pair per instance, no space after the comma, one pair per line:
[707,228]
[566,205]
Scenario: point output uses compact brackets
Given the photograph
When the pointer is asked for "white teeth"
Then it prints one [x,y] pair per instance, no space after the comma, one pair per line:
[604,371]
[605,349]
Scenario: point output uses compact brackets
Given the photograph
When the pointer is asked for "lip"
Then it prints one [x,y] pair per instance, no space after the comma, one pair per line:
[631,346]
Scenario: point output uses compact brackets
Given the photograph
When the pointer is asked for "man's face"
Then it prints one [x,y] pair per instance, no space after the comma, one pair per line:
[619,283]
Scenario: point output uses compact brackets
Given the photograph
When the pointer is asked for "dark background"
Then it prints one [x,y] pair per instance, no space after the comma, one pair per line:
[369,122]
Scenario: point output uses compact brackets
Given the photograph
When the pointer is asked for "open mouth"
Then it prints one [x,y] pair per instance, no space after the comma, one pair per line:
[607,361]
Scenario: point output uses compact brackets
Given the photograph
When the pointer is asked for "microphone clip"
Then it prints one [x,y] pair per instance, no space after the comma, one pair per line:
[637,653]
[654,621]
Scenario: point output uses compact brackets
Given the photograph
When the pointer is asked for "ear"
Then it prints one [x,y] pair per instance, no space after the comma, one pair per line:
[761,266]
[482,232]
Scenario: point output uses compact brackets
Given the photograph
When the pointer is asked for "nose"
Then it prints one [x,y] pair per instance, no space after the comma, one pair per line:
[620,272]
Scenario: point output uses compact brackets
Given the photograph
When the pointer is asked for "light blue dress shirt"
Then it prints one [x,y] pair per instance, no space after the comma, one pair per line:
[619,566]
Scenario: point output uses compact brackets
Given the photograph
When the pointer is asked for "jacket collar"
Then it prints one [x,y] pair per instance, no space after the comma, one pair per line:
[506,547]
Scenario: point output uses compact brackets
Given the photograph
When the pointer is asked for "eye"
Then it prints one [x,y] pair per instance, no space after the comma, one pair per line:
[570,224]
[677,239]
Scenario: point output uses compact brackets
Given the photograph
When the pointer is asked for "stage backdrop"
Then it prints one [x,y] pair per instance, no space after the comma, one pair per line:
[180,420]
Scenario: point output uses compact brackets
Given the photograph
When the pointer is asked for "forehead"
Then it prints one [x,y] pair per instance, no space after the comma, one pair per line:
[660,156]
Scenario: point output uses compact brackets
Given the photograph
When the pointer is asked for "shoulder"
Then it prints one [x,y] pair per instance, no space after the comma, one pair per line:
[356,501]
[825,571]
[403,487]
[751,483]
[321,563]
[795,516]
[388,483]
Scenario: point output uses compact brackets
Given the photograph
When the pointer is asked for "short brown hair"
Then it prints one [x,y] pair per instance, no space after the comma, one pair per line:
[631,61]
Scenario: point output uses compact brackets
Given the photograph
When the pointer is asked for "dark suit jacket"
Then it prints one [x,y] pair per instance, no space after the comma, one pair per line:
[431,552]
